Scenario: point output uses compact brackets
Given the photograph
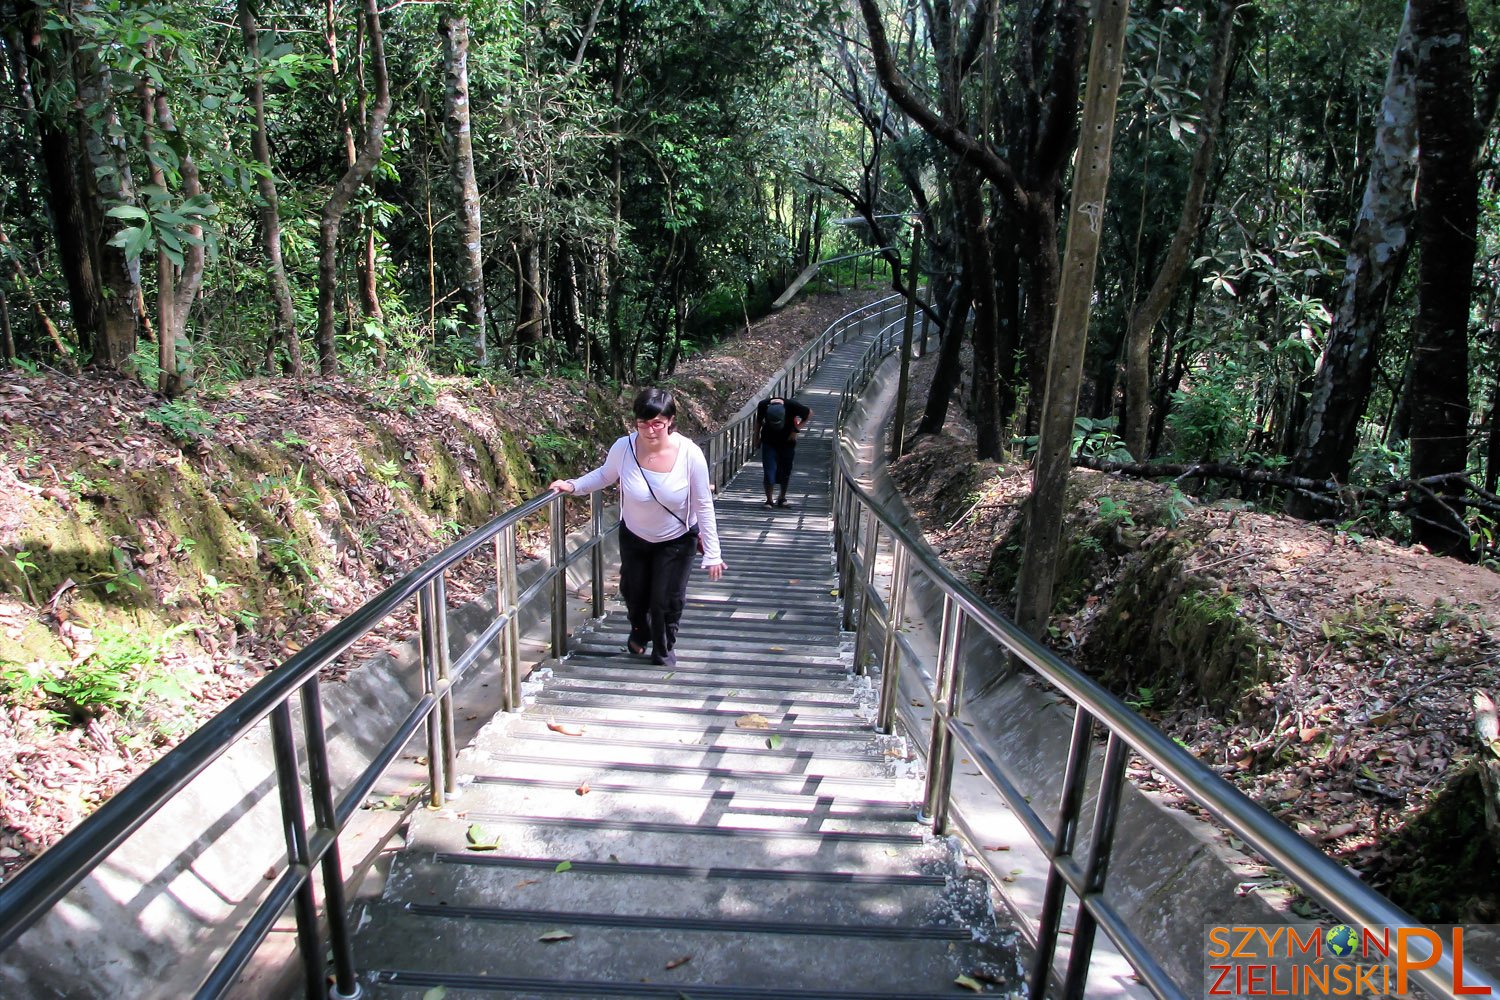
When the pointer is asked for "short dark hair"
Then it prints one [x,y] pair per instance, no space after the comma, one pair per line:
[652,403]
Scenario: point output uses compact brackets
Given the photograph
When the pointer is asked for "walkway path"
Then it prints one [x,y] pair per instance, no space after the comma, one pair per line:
[731,828]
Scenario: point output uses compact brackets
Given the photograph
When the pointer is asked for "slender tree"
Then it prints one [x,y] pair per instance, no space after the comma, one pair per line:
[1377,252]
[1149,311]
[283,332]
[343,192]
[1447,217]
[460,141]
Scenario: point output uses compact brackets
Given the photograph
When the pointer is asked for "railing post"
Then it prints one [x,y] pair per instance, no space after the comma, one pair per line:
[1074,776]
[559,580]
[1101,844]
[320,779]
[596,563]
[851,550]
[507,592]
[298,854]
[890,657]
[940,747]
[444,689]
[862,630]
[427,639]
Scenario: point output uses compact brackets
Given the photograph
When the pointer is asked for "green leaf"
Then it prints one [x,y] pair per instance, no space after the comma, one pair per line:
[136,241]
[552,936]
[774,742]
[563,866]
[969,983]
[126,212]
[436,993]
[481,839]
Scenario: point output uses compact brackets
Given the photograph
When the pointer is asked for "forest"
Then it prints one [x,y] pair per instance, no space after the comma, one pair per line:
[1246,245]
[1296,261]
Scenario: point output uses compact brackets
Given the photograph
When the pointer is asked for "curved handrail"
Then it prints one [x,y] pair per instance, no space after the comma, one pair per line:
[39,886]
[860,522]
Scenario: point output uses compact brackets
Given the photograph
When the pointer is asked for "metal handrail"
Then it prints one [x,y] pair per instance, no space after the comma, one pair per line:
[861,525]
[38,887]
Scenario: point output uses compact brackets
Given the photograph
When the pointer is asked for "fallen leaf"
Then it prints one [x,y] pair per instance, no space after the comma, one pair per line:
[436,993]
[552,936]
[582,789]
[970,983]
[563,866]
[527,881]
[684,960]
[774,742]
[270,875]
[752,721]
[999,847]
[564,728]
[793,583]
[480,839]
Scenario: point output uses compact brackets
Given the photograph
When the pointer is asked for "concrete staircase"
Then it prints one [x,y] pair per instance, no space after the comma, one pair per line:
[731,827]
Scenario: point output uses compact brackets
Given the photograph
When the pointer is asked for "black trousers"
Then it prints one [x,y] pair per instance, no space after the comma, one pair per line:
[654,581]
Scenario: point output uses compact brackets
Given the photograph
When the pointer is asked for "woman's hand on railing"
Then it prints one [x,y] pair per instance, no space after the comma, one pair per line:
[561,486]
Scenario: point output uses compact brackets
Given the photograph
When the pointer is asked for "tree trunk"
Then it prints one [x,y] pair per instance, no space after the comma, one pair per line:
[343,191]
[1144,318]
[950,345]
[1447,216]
[455,32]
[177,280]
[528,330]
[283,331]
[107,182]
[1377,256]
[1047,504]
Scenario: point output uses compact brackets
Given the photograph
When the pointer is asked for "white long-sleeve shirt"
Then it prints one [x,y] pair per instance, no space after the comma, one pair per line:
[684,490]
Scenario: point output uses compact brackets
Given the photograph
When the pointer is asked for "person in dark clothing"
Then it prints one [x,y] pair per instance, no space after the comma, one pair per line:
[778,420]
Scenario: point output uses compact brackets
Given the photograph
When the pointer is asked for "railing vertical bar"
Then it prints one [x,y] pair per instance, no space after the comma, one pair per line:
[513,629]
[867,583]
[558,531]
[502,607]
[1101,844]
[596,559]
[890,656]
[847,595]
[294,824]
[1074,776]
[940,746]
[320,780]
[427,641]
[444,688]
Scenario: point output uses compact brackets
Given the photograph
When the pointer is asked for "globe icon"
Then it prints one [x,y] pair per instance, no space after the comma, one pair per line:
[1342,940]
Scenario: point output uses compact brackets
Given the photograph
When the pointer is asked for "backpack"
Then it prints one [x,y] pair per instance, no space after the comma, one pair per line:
[776,415]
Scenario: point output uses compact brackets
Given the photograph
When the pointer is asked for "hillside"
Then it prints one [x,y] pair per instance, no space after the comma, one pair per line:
[155,560]
[1328,675]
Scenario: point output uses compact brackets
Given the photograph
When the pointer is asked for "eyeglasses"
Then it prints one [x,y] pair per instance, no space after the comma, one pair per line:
[656,424]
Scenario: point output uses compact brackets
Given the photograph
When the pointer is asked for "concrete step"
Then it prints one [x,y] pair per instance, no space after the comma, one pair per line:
[707,677]
[576,690]
[629,740]
[785,724]
[871,783]
[774,844]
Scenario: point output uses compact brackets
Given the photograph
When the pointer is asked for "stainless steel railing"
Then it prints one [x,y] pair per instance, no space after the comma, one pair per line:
[866,532]
[39,887]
